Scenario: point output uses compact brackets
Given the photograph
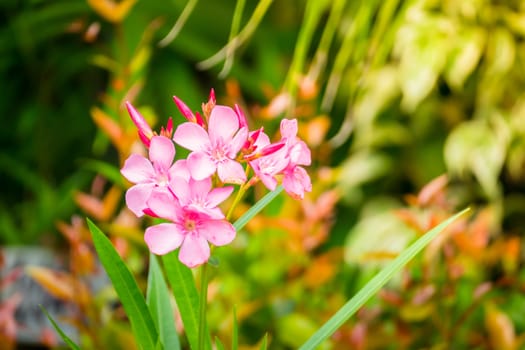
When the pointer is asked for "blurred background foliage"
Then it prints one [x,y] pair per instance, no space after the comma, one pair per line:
[390,95]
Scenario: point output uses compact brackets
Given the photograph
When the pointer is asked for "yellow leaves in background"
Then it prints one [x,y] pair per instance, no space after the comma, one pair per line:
[113,11]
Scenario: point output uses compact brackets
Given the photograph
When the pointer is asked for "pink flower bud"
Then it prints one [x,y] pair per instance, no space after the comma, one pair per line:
[185,110]
[145,132]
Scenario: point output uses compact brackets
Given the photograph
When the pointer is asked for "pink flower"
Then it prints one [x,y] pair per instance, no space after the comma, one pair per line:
[189,229]
[267,167]
[296,180]
[216,149]
[148,174]
[199,195]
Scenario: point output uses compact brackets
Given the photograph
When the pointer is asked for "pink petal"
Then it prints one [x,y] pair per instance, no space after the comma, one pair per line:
[201,165]
[210,213]
[180,169]
[163,238]
[137,196]
[237,142]
[289,128]
[181,190]
[191,136]
[230,171]
[164,204]
[219,195]
[223,123]
[200,188]
[296,182]
[268,180]
[138,169]
[161,152]
[194,250]
[300,154]
[218,232]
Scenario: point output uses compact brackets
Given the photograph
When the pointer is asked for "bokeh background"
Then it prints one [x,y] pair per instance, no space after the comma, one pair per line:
[413,110]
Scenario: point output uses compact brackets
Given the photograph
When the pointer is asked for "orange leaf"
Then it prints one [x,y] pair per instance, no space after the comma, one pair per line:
[111,10]
[500,327]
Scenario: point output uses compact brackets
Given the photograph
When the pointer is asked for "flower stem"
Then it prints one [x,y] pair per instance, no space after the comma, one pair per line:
[237,199]
[202,305]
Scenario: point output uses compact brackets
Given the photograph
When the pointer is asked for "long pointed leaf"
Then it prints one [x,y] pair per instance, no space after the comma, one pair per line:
[263,202]
[374,285]
[158,300]
[186,296]
[127,290]
[63,335]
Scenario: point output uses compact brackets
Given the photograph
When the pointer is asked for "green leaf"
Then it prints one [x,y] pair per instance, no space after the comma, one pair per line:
[218,344]
[263,202]
[374,285]
[264,344]
[63,335]
[158,300]
[182,284]
[127,289]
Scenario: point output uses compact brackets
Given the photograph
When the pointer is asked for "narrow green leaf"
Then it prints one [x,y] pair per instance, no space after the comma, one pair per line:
[235,335]
[127,289]
[264,344]
[158,300]
[373,286]
[218,344]
[63,335]
[263,202]
[182,284]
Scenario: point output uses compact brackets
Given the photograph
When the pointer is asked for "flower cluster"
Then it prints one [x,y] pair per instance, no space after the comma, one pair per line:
[187,192]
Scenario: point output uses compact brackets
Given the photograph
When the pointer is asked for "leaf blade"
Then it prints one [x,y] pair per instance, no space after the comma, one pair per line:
[127,289]
[157,299]
[63,335]
[183,287]
[373,286]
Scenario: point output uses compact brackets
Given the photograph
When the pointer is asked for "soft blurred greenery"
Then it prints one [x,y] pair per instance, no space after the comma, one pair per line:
[389,95]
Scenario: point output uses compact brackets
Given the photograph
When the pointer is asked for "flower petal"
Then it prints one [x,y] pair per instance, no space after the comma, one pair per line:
[223,123]
[296,182]
[289,128]
[161,152]
[137,196]
[237,142]
[218,232]
[164,204]
[163,238]
[201,165]
[191,136]
[230,171]
[181,190]
[138,169]
[180,169]
[219,195]
[300,154]
[194,250]
[200,188]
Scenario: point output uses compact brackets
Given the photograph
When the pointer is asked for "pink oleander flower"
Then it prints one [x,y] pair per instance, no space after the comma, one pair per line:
[216,149]
[199,195]
[268,167]
[189,229]
[153,173]
[296,180]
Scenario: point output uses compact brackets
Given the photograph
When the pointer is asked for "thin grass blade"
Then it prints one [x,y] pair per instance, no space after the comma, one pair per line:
[374,285]
[63,335]
[263,202]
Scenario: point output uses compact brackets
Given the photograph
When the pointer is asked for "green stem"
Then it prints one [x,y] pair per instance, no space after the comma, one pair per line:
[237,199]
[202,305]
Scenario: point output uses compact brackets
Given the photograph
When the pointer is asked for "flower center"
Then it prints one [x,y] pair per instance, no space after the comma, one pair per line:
[218,151]
[189,225]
